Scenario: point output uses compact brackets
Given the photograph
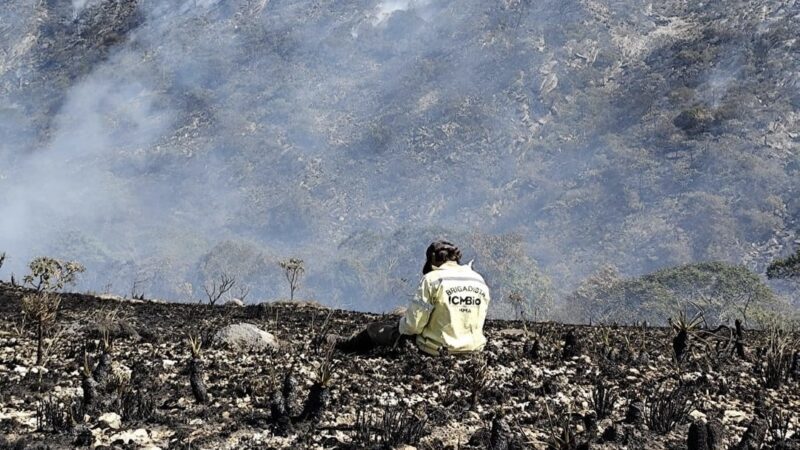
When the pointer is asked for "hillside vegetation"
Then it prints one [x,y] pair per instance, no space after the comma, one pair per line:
[161,142]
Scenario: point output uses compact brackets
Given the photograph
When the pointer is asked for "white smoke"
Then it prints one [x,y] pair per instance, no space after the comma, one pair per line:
[386,8]
[70,183]
[79,5]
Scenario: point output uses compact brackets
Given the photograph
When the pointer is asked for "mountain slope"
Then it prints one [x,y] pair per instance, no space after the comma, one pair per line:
[142,136]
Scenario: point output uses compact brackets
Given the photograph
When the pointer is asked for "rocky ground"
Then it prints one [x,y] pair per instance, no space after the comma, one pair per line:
[554,385]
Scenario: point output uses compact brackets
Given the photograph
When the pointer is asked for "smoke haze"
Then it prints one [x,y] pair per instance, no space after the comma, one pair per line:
[161,142]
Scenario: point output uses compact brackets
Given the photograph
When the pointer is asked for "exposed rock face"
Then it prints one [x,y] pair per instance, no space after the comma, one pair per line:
[245,336]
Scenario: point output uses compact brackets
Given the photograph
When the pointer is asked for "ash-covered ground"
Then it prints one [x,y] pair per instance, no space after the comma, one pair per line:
[552,386]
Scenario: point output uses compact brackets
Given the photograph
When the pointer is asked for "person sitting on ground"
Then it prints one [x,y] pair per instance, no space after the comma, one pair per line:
[446,315]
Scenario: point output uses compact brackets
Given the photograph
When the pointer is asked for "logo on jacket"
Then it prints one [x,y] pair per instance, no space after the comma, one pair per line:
[464,301]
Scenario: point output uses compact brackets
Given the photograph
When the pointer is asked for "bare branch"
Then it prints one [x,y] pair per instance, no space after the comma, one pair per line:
[217,289]
[243,292]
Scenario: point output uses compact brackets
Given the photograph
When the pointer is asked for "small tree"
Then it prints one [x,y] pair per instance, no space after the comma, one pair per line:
[47,276]
[293,270]
[2,259]
[50,275]
[42,308]
[217,289]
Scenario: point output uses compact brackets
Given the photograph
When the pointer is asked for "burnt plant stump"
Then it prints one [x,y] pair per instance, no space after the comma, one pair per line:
[679,345]
[277,407]
[572,347]
[739,343]
[89,386]
[103,368]
[290,394]
[532,350]
[716,435]
[196,375]
[754,436]
[319,398]
[705,436]
[634,415]
[500,436]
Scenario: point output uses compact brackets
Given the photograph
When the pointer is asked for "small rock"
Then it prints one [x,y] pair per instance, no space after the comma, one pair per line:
[245,336]
[732,415]
[110,420]
[138,437]
[697,415]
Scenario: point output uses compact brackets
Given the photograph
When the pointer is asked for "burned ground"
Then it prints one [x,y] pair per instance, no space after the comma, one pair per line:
[554,385]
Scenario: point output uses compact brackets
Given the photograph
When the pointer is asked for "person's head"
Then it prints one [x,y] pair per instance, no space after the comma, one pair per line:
[439,253]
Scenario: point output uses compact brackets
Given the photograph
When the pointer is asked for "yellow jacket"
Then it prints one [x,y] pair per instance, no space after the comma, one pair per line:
[449,310]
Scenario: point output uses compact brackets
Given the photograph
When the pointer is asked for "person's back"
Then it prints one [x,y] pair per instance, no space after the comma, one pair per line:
[449,309]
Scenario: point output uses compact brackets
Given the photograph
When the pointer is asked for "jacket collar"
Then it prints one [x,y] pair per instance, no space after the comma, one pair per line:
[447,265]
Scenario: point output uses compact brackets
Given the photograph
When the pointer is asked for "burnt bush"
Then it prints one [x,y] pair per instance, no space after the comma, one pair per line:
[393,428]
[58,417]
[667,408]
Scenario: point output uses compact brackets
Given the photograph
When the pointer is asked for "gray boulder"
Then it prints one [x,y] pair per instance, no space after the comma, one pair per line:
[245,336]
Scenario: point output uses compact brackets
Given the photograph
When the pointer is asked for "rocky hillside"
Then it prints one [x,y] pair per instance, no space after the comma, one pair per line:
[161,142]
[122,374]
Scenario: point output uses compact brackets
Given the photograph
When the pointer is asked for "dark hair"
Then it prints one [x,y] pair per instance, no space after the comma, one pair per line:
[439,253]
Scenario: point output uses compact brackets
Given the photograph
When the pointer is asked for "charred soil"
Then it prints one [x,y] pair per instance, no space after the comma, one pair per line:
[136,374]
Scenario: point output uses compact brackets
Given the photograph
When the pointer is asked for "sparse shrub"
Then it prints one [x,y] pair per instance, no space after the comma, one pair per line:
[683,328]
[603,399]
[721,291]
[42,308]
[50,274]
[136,405]
[319,395]
[320,337]
[293,270]
[216,289]
[52,415]
[394,428]
[779,425]
[47,276]
[778,356]
[563,435]
[667,408]
[477,373]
